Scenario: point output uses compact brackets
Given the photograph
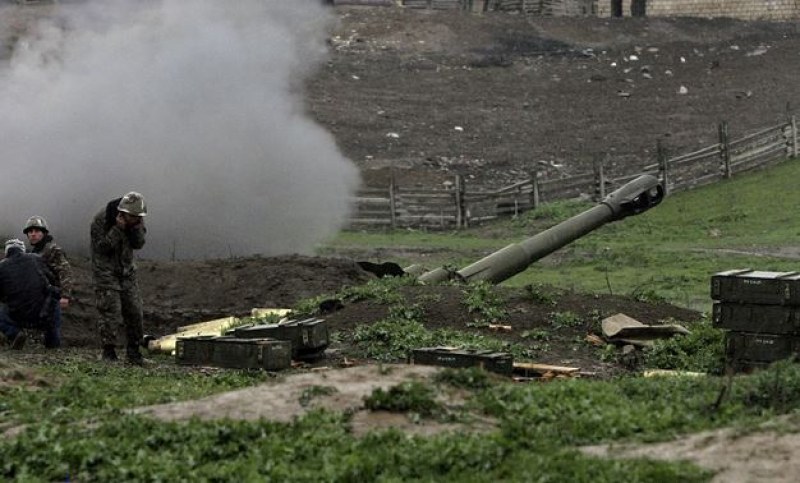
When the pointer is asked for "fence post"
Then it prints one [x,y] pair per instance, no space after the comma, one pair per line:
[392,201]
[663,166]
[535,189]
[725,148]
[794,137]
[461,220]
[599,180]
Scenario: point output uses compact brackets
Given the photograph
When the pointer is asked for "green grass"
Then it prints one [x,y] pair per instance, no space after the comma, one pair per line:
[80,428]
[538,427]
[670,251]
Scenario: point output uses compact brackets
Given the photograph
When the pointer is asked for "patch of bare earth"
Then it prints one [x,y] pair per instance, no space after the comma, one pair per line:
[766,455]
[338,390]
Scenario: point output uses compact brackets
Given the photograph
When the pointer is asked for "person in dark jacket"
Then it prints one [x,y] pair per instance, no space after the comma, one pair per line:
[42,244]
[25,283]
[116,231]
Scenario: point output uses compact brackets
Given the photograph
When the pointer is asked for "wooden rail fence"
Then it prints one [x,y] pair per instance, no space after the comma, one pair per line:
[462,205]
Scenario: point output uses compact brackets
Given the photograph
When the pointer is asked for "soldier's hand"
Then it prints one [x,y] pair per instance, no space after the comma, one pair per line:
[64,302]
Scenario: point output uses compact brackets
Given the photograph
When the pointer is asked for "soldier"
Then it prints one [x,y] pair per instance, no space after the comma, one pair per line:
[43,245]
[30,300]
[117,230]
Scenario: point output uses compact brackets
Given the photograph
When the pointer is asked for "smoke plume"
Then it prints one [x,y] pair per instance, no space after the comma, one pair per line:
[196,104]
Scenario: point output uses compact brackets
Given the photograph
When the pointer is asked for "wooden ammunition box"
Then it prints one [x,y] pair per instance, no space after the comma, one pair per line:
[236,353]
[308,336]
[754,287]
[195,351]
[499,362]
[754,318]
[744,346]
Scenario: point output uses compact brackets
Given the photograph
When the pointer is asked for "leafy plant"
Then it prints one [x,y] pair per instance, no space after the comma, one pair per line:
[702,350]
[539,295]
[564,319]
[467,378]
[482,300]
[410,396]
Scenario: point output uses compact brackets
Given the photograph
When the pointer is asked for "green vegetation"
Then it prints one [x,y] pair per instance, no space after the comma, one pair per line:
[483,301]
[702,350]
[412,396]
[668,253]
[94,438]
[80,427]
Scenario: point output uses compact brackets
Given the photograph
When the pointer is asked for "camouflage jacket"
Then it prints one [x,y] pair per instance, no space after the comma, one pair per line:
[112,249]
[56,261]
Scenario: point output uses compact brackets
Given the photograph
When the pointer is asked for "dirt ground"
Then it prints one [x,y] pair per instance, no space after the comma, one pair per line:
[494,96]
[764,455]
[490,97]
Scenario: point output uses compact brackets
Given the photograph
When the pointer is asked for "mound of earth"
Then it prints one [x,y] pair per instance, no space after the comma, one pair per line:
[185,292]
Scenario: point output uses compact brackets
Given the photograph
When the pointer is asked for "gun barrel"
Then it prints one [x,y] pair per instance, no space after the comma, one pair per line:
[633,198]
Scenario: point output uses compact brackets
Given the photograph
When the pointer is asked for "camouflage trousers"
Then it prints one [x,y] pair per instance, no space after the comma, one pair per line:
[111,303]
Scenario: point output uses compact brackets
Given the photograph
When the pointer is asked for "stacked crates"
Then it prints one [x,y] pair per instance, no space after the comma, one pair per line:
[269,346]
[760,312]
[309,337]
[234,353]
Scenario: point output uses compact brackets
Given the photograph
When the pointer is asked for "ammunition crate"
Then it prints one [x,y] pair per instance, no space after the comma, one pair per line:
[770,319]
[308,336]
[236,353]
[499,362]
[750,286]
[759,348]
[195,351]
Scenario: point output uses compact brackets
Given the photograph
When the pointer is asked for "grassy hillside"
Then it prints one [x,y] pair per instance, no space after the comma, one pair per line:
[669,252]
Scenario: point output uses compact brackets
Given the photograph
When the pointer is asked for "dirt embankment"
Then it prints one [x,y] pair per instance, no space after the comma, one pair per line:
[494,96]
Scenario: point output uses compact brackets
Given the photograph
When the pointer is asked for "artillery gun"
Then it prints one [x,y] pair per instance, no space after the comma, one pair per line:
[633,198]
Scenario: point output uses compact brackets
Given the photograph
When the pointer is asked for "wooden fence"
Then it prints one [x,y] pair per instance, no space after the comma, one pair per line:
[461,205]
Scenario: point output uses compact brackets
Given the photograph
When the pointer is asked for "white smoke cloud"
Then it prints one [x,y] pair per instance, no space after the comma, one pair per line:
[196,104]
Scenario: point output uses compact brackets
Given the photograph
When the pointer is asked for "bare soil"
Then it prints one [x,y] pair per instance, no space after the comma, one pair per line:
[494,96]
[764,455]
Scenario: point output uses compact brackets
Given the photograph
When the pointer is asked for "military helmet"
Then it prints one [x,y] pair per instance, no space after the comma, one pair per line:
[14,244]
[35,222]
[133,204]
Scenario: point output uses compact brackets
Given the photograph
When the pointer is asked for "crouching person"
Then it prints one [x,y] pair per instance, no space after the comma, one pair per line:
[27,292]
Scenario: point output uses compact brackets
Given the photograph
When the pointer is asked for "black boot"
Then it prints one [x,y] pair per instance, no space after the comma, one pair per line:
[19,341]
[109,353]
[134,356]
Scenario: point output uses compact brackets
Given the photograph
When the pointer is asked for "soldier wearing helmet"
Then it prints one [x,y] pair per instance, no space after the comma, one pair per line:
[43,245]
[116,231]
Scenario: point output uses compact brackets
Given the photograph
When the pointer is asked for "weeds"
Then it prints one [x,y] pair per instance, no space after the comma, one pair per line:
[468,378]
[410,396]
[561,320]
[701,350]
[538,295]
[482,300]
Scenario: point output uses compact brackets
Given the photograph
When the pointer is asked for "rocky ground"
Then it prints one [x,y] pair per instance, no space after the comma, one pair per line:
[494,96]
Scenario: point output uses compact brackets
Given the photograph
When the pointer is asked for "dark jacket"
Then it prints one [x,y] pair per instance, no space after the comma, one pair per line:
[24,278]
[56,261]
[112,249]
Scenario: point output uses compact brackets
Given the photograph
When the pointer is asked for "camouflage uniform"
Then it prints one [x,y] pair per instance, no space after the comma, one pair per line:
[114,276]
[56,261]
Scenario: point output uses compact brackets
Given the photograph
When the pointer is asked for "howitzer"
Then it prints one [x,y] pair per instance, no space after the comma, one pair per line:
[633,198]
